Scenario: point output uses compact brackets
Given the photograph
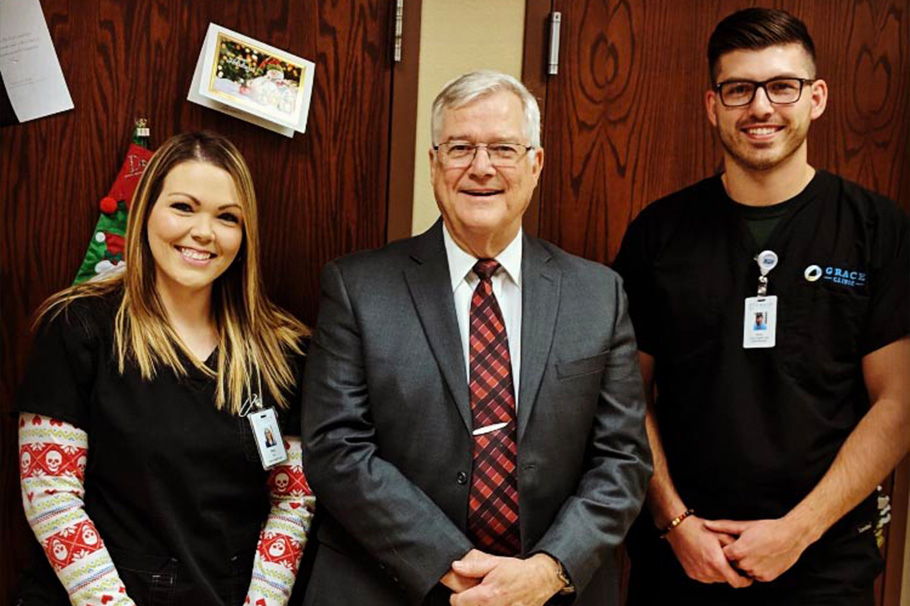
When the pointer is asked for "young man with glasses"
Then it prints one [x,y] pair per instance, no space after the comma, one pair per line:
[768,444]
[474,421]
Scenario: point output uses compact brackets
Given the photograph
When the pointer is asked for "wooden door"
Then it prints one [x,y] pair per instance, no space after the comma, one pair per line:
[624,121]
[322,194]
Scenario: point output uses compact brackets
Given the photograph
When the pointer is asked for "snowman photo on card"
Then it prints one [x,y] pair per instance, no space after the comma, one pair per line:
[253,81]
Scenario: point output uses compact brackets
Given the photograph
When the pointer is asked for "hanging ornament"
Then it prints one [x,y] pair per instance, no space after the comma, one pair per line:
[106,248]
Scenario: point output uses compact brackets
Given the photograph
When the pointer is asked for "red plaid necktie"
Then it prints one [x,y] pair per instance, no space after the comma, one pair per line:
[493,507]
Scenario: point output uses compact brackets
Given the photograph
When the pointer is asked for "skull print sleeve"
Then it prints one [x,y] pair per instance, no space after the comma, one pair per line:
[284,532]
[52,460]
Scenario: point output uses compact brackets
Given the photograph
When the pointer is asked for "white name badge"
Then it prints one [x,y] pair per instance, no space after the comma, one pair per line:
[760,322]
[267,434]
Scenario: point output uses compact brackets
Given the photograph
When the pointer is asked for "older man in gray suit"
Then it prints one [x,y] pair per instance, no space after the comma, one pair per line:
[474,421]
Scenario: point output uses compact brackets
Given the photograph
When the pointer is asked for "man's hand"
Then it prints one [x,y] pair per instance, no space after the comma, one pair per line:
[458,583]
[507,581]
[700,550]
[764,549]
[474,562]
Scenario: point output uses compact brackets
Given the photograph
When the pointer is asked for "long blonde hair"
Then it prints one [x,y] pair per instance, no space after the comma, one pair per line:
[255,336]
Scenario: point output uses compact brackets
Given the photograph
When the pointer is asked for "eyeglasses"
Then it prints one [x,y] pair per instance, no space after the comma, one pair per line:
[460,154]
[780,91]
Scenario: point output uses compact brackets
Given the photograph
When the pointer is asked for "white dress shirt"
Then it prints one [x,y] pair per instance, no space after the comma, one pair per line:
[506,288]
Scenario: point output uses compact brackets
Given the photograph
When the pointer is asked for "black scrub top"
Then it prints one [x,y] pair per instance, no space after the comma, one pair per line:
[749,432]
[174,486]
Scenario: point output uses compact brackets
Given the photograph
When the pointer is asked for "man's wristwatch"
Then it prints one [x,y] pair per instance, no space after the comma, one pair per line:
[567,587]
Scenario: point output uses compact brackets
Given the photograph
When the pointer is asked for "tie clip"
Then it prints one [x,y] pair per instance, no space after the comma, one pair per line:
[488,428]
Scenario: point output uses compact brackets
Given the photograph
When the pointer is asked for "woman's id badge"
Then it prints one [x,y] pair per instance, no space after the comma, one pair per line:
[760,322]
[267,434]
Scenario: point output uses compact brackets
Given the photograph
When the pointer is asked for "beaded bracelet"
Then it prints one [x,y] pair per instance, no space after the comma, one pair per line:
[676,522]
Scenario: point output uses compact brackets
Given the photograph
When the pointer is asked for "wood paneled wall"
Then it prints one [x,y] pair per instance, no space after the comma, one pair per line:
[321,194]
[625,122]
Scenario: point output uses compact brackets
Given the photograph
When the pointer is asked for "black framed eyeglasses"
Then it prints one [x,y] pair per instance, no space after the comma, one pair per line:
[780,91]
[460,154]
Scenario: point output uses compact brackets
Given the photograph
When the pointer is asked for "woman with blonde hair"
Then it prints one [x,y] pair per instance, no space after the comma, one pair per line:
[145,472]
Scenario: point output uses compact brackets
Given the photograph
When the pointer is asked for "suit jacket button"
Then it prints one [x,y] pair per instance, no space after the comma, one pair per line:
[461,478]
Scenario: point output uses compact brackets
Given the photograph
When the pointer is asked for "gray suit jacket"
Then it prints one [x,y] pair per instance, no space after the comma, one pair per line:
[387,423]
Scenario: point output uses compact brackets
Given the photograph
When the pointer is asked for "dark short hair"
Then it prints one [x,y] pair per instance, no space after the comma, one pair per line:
[756,29]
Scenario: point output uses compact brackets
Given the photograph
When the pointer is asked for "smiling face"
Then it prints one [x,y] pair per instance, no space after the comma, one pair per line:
[195,228]
[481,204]
[761,136]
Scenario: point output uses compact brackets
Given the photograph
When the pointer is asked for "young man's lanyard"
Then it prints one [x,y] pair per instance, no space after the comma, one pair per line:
[760,317]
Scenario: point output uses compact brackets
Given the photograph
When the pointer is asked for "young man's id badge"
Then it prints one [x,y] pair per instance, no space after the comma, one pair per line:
[267,434]
[760,322]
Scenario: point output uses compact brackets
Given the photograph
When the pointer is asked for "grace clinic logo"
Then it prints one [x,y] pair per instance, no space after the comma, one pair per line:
[836,275]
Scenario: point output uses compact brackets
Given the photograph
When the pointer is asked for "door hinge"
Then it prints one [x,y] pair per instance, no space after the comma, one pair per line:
[399,29]
[555,22]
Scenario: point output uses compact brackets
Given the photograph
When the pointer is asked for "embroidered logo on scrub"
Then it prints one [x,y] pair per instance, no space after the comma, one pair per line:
[836,275]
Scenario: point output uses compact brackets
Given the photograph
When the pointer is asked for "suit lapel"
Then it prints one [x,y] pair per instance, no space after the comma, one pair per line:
[540,283]
[431,290]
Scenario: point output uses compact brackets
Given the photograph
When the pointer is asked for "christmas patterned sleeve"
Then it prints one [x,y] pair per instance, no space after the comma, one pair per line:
[284,533]
[52,459]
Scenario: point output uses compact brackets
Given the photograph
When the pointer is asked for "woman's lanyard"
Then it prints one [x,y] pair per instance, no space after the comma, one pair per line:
[264,425]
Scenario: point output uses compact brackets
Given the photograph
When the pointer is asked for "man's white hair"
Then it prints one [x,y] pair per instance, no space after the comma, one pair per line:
[472,86]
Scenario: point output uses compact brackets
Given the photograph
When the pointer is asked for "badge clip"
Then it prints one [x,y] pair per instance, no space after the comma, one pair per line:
[767,260]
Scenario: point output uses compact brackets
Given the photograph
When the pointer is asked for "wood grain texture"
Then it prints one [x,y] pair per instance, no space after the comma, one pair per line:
[403,135]
[321,194]
[890,583]
[625,123]
[534,75]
